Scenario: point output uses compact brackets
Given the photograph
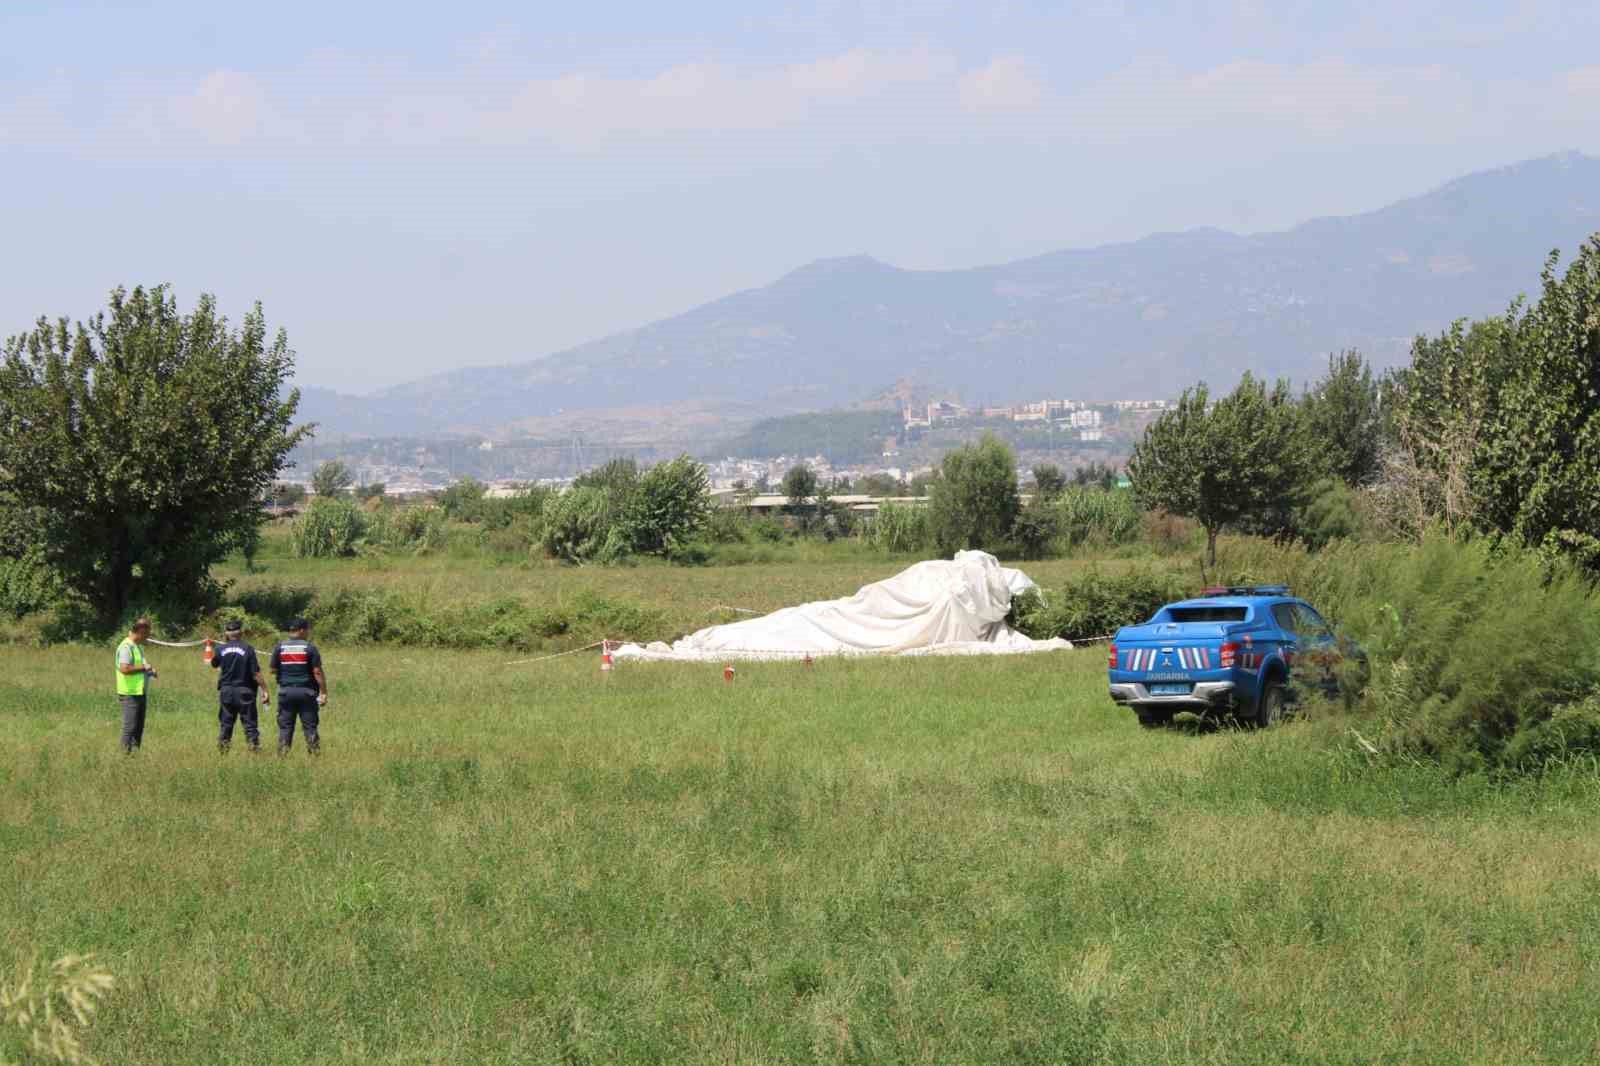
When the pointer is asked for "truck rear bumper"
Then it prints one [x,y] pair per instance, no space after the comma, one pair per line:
[1206,695]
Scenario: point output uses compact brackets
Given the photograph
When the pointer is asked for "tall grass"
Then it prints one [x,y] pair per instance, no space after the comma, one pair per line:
[1484,656]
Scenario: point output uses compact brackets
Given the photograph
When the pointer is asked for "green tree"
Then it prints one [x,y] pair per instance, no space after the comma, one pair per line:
[618,478]
[1095,474]
[147,439]
[1240,461]
[1536,474]
[975,501]
[1048,481]
[669,508]
[799,484]
[462,500]
[1343,419]
[331,479]
[880,485]
[371,491]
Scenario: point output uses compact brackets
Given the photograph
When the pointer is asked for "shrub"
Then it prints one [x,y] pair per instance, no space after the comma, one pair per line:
[330,527]
[27,584]
[1096,605]
[1035,529]
[975,501]
[669,507]
[577,526]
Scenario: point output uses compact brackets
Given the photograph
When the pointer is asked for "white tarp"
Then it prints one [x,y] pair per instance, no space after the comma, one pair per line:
[939,607]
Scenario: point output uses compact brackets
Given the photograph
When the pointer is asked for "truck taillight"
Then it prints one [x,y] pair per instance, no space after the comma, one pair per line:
[1112,661]
[1230,655]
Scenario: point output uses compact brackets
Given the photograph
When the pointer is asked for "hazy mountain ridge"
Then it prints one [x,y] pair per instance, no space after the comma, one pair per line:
[1144,318]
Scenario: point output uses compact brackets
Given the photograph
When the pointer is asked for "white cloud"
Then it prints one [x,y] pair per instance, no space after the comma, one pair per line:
[345,104]
[1004,85]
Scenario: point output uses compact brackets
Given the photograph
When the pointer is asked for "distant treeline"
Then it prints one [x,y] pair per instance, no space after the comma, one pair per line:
[839,436]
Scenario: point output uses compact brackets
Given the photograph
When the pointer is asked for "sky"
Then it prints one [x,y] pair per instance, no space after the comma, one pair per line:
[482,182]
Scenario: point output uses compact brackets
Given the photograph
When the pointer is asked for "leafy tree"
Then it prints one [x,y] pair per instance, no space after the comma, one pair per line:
[1240,461]
[799,484]
[1095,475]
[371,491]
[618,478]
[1048,480]
[880,485]
[1499,423]
[462,499]
[1343,418]
[1538,465]
[147,439]
[975,501]
[332,479]
[669,508]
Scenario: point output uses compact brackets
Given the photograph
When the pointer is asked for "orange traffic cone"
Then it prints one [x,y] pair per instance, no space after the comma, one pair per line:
[605,657]
[727,673]
[208,654]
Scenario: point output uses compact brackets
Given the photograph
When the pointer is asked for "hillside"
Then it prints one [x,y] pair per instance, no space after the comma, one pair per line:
[1138,319]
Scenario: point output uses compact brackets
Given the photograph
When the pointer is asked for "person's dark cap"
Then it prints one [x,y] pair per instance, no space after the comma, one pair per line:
[233,626]
[297,624]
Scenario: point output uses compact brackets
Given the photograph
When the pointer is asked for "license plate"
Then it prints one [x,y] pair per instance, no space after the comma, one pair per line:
[1171,690]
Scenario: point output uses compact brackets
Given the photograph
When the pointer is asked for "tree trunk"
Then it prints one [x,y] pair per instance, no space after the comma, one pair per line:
[1211,548]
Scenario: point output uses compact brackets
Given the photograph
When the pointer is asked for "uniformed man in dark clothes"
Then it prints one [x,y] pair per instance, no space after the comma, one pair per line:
[238,683]
[302,686]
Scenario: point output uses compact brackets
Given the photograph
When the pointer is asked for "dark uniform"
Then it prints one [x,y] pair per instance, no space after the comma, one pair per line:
[293,660]
[237,667]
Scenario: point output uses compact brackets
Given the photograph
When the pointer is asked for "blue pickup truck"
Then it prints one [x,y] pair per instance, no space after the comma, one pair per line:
[1243,651]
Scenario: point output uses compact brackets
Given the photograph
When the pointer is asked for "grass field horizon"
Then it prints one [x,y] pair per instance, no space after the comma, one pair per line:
[931,860]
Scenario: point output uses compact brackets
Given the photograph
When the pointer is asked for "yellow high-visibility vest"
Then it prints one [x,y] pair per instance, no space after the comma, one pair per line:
[130,684]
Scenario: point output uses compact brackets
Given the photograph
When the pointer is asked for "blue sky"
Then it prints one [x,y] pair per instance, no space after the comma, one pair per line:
[486,182]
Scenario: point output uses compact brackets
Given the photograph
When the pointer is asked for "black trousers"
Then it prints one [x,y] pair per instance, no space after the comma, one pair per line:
[298,703]
[238,703]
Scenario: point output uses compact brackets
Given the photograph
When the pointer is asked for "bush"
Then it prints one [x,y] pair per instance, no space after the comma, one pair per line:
[975,501]
[668,508]
[416,618]
[1035,529]
[578,527]
[27,585]
[331,527]
[1096,605]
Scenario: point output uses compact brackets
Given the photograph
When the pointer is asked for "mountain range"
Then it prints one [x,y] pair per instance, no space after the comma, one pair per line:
[1139,319]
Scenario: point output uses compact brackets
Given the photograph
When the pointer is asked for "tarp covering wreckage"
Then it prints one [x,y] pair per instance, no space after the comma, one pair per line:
[939,607]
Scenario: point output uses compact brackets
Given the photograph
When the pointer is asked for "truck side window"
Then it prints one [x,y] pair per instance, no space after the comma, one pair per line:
[1311,623]
[1283,614]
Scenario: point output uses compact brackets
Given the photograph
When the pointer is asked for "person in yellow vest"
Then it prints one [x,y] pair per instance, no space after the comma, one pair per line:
[132,675]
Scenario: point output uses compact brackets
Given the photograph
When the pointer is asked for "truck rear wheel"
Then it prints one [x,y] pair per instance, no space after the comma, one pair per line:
[1154,719]
[1269,708]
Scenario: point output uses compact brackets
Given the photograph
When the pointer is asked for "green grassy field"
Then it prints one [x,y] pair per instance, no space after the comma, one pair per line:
[873,861]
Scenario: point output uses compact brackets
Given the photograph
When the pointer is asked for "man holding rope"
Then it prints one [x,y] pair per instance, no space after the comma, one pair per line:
[132,674]
[302,686]
[238,681]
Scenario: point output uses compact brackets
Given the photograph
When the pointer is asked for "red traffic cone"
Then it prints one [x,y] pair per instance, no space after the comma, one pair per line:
[727,673]
[208,654]
[605,657]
